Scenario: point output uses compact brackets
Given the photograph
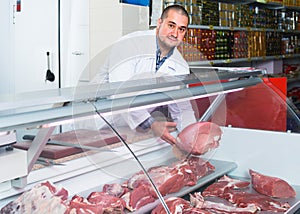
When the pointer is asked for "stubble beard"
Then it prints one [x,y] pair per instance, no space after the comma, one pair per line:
[167,43]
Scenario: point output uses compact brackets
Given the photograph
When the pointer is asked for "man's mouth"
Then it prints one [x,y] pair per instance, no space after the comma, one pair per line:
[174,39]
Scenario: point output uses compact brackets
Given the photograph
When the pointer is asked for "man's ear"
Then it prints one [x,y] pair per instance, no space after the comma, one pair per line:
[159,21]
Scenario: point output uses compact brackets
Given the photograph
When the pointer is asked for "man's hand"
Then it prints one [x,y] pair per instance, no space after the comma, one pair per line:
[161,129]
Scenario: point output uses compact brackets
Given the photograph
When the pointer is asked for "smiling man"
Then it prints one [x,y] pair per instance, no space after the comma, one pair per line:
[170,30]
[148,55]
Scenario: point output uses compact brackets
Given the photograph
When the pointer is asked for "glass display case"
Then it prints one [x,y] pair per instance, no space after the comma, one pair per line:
[84,140]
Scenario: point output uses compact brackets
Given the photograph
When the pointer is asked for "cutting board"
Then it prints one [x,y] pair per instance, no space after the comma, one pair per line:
[82,137]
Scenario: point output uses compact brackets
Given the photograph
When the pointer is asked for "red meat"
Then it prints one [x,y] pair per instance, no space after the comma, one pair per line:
[198,138]
[262,202]
[157,174]
[166,179]
[198,201]
[271,186]
[169,179]
[80,205]
[139,197]
[60,192]
[195,210]
[175,205]
[98,203]
[223,184]
[199,167]
[193,169]
[235,192]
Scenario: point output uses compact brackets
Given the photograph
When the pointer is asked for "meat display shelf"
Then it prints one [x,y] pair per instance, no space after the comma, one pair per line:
[293,202]
[105,170]
[222,168]
[295,209]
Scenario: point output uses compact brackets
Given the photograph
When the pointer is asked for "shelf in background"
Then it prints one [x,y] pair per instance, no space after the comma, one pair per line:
[226,61]
[211,27]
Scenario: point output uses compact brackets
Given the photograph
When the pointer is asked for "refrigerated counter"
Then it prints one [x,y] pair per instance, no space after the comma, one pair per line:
[57,118]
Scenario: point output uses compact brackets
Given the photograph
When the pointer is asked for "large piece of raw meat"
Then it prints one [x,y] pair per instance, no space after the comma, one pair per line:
[43,198]
[271,186]
[238,193]
[198,138]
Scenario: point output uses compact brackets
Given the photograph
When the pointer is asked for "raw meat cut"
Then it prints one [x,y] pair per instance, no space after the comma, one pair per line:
[80,205]
[108,202]
[237,193]
[198,201]
[195,210]
[178,206]
[166,179]
[198,138]
[42,198]
[57,191]
[224,183]
[193,169]
[271,186]
[175,205]
[138,197]
[197,205]
[169,179]
[115,189]
[96,202]
[262,202]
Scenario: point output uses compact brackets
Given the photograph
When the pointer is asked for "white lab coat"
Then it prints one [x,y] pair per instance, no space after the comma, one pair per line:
[133,57]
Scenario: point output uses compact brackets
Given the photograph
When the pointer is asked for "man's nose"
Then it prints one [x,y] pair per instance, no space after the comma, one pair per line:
[174,32]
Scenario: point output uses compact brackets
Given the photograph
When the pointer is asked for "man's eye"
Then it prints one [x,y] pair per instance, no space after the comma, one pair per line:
[171,26]
[182,30]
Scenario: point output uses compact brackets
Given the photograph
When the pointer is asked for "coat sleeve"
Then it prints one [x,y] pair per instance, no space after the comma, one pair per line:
[135,118]
[182,113]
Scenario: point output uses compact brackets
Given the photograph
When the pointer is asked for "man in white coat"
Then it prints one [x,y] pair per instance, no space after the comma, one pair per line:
[148,55]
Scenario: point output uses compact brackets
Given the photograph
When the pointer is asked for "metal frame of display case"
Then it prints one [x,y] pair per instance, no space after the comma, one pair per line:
[102,102]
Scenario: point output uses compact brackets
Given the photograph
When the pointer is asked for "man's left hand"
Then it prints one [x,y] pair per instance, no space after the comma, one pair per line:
[161,129]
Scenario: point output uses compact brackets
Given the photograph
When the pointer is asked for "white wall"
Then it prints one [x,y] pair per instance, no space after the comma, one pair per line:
[109,20]
[6,83]
[87,28]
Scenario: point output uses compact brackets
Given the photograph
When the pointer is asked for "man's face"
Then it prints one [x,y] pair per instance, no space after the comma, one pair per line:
[172,29]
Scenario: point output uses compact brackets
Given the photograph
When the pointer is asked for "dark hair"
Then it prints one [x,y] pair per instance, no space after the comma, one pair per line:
[176,7]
